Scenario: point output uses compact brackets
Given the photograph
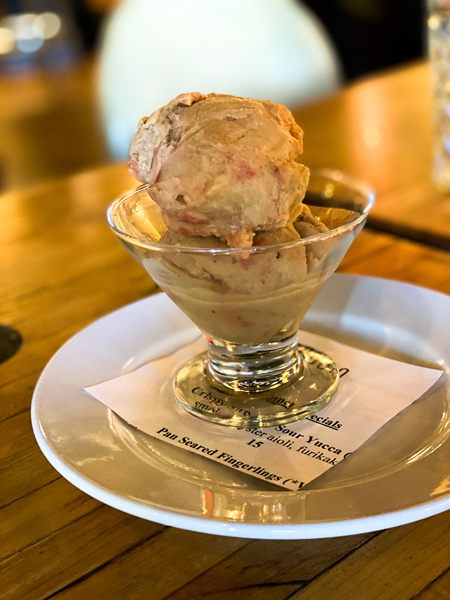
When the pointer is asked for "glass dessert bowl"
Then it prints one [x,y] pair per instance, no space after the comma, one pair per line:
[249,302]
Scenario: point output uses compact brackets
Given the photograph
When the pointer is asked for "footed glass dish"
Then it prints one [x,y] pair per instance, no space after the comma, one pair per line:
[249,302]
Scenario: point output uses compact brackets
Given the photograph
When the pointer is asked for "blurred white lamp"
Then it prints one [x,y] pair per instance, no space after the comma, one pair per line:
[153,50]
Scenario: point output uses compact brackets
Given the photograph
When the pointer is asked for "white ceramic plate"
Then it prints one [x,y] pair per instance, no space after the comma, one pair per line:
[399,476]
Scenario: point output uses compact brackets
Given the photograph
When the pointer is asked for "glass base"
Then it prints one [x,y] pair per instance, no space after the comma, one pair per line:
[307,395]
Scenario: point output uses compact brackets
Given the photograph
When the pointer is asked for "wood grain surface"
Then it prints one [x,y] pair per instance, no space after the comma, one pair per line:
[380,130]
[50,124]
[60,269]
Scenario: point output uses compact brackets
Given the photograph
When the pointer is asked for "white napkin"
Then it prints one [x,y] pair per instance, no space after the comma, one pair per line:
[371,392]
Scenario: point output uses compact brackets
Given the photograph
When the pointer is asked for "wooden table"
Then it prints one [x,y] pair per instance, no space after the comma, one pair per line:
[61,268]
[50,124]
[381,130]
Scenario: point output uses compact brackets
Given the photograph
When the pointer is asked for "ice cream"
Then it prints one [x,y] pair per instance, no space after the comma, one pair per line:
[249,295]
[224,205]
[222,166]
[242,297]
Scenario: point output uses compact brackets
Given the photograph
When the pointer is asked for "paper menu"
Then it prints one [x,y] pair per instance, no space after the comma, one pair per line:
[372,391]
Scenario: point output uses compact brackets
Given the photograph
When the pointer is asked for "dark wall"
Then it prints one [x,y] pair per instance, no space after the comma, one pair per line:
[369,35]
[373,34]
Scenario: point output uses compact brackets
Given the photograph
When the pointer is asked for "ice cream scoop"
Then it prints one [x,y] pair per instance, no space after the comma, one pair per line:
[222,166]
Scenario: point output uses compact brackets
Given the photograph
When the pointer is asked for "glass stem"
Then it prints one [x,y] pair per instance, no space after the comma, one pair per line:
[252,369]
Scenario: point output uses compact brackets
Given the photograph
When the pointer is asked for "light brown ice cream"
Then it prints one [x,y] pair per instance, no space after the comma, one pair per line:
[222,166]
[249,295]
[242,273]
[224,173]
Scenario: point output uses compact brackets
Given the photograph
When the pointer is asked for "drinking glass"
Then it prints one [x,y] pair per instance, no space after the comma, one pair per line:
[439,58]
[249,302]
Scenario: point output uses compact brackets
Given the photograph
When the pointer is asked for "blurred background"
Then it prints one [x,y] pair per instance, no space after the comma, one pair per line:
[76,75]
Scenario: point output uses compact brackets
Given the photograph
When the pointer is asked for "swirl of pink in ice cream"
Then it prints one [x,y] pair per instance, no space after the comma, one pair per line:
[221,166]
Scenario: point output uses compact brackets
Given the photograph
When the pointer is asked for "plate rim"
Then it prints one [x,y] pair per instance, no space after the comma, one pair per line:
[221,526]
[292,531]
